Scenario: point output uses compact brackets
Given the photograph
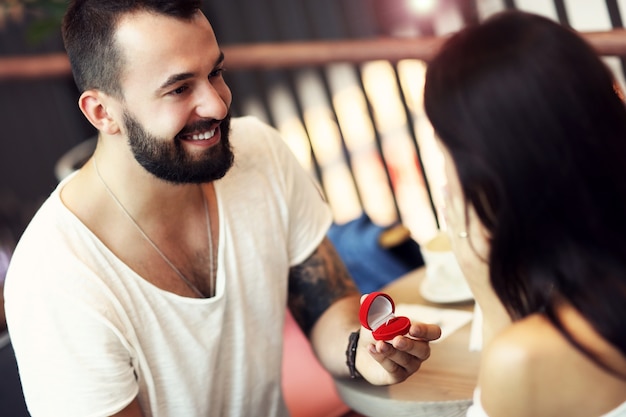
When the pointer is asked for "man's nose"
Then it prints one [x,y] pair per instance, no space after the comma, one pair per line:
[211,102]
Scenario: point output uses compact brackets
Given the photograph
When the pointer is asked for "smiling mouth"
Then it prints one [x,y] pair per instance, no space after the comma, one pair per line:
[200,136]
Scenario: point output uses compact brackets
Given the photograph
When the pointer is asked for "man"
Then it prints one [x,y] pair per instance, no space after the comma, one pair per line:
[155,280]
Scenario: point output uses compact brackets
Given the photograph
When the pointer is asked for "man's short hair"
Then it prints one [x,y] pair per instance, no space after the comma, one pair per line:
[88,31]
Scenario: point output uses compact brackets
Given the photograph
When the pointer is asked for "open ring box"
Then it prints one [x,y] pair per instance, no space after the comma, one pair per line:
[377,315]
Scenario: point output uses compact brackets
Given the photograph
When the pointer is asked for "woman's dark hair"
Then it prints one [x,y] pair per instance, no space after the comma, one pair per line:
[88,31]
[537,130]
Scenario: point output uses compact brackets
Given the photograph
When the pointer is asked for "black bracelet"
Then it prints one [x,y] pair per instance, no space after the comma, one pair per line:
[351,355]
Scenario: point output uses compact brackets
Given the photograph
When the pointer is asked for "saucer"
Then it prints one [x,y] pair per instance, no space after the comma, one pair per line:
[444,292]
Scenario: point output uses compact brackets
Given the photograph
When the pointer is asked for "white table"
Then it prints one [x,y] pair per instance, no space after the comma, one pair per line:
[444,384]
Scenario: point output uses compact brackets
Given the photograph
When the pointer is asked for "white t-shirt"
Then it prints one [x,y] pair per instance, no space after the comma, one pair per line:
[90,334]
[477,410]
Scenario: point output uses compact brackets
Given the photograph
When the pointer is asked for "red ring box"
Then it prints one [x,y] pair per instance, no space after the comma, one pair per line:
[376,314]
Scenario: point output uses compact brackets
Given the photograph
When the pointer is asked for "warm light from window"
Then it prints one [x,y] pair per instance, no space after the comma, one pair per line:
[422,6]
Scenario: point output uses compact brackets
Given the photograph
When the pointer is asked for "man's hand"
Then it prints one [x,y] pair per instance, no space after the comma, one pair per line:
[389,362]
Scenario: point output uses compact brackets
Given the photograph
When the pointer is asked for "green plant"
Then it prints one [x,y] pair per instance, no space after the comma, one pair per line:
[42,16]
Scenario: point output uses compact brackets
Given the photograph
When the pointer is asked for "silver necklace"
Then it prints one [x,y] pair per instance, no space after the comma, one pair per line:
[156,248]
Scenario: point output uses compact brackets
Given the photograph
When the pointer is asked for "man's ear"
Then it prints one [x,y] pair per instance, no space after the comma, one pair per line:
[95,105]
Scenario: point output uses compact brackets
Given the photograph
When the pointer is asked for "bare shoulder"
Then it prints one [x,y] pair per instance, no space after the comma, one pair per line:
[510,366]
[530,369]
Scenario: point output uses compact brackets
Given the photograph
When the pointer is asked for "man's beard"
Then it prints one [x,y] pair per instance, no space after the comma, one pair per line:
[168,160]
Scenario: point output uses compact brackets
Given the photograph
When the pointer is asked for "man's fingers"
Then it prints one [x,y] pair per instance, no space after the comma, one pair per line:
[425,331]
[403,357]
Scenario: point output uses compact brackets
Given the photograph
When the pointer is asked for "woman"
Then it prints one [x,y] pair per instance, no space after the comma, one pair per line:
[533,132]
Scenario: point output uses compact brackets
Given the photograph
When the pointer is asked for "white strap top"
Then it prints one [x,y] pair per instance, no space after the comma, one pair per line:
[476,409]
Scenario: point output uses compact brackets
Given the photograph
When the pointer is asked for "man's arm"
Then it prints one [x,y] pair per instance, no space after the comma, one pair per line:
[317,283]
[325,302]
[131,410]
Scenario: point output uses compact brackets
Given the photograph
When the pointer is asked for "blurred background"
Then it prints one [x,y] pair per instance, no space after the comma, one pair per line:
[356,124]
[358,127]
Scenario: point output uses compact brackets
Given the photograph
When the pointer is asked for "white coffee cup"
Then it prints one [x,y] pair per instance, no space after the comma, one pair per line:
[444,281]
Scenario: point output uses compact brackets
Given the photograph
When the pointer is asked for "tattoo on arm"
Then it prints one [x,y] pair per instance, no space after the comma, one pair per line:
[316,283]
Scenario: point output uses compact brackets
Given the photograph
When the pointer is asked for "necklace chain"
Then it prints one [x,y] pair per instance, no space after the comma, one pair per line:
[156,248]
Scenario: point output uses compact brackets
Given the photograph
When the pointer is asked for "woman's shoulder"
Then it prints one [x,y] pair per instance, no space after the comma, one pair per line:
[531,369]
[512,363]
[525,342]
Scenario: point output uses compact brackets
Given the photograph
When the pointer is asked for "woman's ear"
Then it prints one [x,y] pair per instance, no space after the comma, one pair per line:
[96,105]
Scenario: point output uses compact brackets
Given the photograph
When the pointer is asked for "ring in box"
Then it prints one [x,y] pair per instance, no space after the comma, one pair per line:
[376,314]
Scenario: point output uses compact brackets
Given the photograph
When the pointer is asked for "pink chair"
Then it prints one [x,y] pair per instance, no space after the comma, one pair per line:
[309,389]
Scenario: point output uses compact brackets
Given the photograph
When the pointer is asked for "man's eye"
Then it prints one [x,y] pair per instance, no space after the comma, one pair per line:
[216,73]
[179,90]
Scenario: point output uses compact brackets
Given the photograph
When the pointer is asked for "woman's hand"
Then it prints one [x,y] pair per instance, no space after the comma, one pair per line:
[471,246]
[468,238]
